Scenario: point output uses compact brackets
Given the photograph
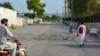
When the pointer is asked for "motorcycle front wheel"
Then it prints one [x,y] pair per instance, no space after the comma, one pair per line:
[21,53]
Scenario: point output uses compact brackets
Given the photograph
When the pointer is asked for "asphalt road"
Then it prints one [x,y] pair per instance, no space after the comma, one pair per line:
[47,40]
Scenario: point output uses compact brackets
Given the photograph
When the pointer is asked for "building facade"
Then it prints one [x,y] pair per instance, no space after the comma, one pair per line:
[67,11]
[9,14]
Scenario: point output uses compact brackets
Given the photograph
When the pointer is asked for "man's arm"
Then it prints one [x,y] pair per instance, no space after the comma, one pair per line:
[11,35]
[85,29]
[77,31]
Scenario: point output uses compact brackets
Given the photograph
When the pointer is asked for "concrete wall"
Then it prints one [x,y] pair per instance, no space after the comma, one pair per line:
[30,21]
[38,19]
[20,21]
[9,14]
[25,21]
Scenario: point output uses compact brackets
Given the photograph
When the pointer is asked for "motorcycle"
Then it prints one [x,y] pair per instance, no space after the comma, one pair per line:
[19,51]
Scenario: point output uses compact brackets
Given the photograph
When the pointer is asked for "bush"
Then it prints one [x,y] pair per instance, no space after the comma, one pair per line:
[13,26]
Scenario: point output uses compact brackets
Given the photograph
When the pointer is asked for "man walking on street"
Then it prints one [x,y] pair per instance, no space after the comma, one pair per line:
[71,28]
[81,32]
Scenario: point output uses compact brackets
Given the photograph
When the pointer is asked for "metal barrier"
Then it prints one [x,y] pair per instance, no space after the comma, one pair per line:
[93,31]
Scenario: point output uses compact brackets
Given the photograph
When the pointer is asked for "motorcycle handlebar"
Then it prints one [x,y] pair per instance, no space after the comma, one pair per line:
[15,41]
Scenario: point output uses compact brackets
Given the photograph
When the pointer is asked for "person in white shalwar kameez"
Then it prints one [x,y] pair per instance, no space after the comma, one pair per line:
[4,33]
[81,34]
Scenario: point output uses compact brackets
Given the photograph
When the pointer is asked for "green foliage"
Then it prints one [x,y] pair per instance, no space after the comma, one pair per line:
[55,17]
[46,18]
[52,18]
[13,26]
[83,8]
[30,15]
[97,7]
[7,5]
[36,7]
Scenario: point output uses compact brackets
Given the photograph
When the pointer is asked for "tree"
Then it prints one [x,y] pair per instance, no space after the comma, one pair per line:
[7,5]
[47,18]
[83,8]
[55,17]
[30,15]
[36,7]
[97,7]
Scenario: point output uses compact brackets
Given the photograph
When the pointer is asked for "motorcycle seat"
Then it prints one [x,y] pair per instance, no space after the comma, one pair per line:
[4,52]
[2,47]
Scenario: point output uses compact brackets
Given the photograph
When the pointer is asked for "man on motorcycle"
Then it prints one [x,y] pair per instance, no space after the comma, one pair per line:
[4,32]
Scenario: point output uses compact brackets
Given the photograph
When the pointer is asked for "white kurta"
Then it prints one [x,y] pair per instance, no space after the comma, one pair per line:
[4,32]
[82,35]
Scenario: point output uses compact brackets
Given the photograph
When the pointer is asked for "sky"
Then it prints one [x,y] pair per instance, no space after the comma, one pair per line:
[52,6]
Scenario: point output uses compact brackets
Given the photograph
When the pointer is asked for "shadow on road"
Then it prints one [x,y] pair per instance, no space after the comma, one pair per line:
[86,46]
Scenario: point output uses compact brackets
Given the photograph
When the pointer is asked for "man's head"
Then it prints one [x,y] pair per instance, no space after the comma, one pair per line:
[81,22]
[4,21]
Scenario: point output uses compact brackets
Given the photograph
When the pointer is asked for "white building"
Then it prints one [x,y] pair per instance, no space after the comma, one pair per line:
[29,21]
[11,15]
[20,21]
[67,11]
[39,20]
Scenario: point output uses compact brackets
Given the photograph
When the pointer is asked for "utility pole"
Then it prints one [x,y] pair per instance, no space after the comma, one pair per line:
[57,13]
[72,10]
[68,8]
[23,9]
[65,8]
[62,14]
[62,11]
